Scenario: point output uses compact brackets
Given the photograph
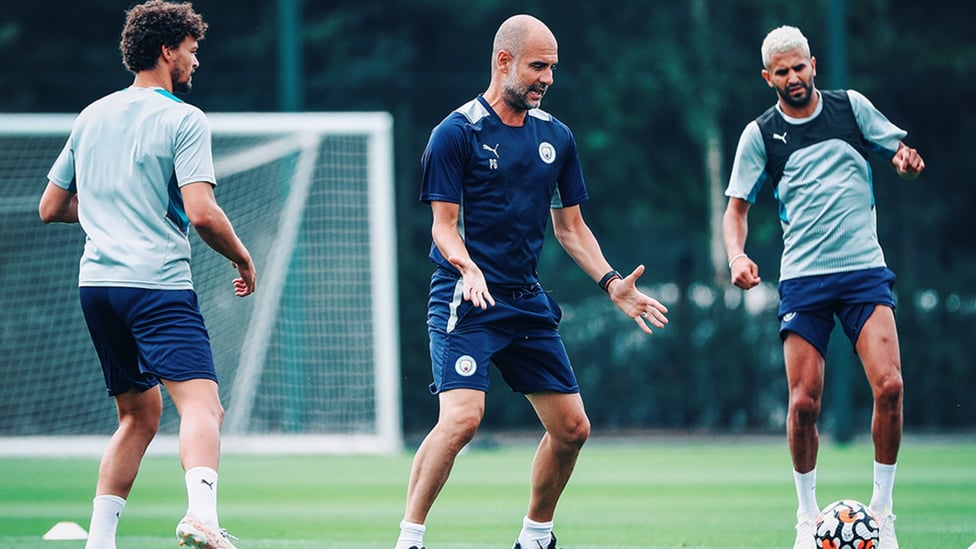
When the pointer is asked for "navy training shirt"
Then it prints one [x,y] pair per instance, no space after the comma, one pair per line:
[505,180]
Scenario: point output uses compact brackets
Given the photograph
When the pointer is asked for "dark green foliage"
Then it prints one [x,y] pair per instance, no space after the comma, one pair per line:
[640,85]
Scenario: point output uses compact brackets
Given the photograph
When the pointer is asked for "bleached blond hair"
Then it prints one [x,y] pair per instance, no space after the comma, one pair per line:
[781,40]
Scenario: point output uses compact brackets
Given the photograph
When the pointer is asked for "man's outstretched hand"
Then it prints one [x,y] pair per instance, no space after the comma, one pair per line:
[635,304]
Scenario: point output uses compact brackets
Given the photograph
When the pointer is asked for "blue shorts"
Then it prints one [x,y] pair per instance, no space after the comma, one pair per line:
[518,335]
[808,304]
[144,336]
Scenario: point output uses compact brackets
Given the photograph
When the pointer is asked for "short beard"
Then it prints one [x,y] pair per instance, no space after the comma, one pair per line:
[180,87]
[798,102]
[515,96]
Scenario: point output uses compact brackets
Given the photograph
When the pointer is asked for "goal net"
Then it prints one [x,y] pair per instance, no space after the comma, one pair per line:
[307,364]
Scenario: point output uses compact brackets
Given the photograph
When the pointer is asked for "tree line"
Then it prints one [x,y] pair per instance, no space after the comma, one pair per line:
[656,94]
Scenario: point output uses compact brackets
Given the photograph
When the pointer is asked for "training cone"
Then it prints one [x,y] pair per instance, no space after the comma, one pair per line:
[66,530]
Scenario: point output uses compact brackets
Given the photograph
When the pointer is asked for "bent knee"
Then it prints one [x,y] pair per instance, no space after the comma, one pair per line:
[890,390]
[805,408]
[211,411]
[145,425]
[581,432]
[218,414]
[460,430]
[574,433]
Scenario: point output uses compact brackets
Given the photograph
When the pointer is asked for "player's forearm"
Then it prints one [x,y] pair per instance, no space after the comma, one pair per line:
[735,230]
[218,233]
[585,250]
[448,240]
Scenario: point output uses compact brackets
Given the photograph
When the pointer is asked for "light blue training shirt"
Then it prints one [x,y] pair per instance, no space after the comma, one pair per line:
[822,181]
[127,156]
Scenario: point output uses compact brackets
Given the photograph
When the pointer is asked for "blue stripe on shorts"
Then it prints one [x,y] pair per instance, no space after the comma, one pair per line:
[518,335]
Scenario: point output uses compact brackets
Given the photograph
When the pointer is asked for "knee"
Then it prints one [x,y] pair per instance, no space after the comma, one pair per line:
[218,413]
[460,429]
[580,432]
[143,425]
[805,407]
[889,392]
[574,433]
[202,409]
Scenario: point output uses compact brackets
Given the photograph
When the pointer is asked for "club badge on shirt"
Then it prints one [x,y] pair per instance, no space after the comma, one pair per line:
[547,152]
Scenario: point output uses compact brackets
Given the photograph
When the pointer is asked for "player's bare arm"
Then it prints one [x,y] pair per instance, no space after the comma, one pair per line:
[735,229]
[58,205]
[575,237]
[213,226]
[907,162]
[444,231]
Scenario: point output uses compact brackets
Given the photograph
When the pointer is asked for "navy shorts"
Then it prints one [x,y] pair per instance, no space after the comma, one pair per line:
[144,336]
[808,304]
[518,335]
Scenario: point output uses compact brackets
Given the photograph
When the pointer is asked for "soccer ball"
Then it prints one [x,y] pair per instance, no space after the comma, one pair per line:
[846,524]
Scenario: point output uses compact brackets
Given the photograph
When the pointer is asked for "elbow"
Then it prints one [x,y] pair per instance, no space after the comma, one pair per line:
[58,206]
[560,238]
[48,213]
[560,232]
[563,236]
[202,219]
[200,223]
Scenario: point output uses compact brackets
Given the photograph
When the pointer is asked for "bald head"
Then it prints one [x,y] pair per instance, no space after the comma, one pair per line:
[517,31]
[524,56]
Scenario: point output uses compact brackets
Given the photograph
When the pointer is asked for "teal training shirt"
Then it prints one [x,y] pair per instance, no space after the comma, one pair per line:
[127,156]
[822,181]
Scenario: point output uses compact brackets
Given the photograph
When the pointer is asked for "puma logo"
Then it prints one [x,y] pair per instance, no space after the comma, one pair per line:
[780,137]
[493,151]
[210,484]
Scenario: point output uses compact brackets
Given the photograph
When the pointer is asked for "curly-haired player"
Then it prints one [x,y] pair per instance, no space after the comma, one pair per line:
[136,172]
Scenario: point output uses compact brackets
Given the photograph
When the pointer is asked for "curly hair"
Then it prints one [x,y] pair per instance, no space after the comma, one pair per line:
[151,25]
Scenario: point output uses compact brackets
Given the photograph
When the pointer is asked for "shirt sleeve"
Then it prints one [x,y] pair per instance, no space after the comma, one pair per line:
[62,171]
[570,187]
[193,155]
[443,164]
[749,167]
[880,133]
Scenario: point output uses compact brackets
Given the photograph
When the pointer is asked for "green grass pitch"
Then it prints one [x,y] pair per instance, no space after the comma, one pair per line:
[652,493]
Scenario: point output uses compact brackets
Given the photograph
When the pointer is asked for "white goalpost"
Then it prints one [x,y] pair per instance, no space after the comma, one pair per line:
[308,364]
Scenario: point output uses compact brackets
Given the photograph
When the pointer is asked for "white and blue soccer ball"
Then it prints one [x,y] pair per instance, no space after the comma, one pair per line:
[846,524]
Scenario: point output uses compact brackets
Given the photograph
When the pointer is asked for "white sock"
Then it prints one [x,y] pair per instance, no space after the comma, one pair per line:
[201,495]
[806,494]
[535,534]
[104,521]
[884,482]
[411,535]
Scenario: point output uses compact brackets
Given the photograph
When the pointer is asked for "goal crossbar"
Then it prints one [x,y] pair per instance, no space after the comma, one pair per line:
[309,369]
